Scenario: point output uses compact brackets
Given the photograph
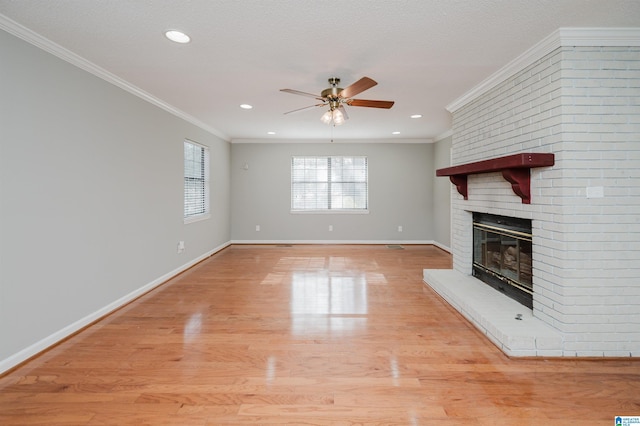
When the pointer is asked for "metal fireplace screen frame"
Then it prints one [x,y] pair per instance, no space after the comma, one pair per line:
[502,255]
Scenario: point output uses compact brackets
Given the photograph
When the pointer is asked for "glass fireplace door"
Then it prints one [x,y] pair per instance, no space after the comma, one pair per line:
[502,256]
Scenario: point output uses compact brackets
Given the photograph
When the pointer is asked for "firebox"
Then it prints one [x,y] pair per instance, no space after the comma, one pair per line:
[502,255]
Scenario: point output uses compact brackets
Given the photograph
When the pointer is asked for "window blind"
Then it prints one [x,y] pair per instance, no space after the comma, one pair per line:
[329,183]
[196,179]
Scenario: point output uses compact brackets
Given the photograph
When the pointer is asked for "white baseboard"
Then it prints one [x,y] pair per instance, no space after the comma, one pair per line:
[442,246]
[372,242]
[34,349]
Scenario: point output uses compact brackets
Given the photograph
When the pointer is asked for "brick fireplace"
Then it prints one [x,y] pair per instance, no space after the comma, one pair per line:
[575,95]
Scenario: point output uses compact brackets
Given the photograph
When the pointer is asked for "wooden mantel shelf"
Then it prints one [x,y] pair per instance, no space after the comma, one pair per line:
[515,169]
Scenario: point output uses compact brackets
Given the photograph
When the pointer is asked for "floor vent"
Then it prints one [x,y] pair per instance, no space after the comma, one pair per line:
[284,245]
[395,247]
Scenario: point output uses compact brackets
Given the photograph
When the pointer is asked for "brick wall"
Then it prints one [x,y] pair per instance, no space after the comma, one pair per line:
[583,105]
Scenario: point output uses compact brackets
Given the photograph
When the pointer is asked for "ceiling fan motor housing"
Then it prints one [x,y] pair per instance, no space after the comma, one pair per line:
[331,94]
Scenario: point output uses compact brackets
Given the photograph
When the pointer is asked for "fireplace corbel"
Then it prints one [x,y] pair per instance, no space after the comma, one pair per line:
[515,169]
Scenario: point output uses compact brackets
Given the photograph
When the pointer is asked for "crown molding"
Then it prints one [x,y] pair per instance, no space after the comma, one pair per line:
[599,37]
[336,141]
[443,135]
[55,49]
[561,37]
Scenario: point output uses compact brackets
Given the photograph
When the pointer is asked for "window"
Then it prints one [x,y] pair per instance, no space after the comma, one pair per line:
[329,184]
[196,182]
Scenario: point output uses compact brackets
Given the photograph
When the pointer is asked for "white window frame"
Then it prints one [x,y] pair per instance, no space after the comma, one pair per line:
[295,209]
[203,162]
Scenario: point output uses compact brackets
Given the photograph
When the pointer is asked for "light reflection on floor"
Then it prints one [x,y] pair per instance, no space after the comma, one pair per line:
[193,327]
[324,298]
[327,303]
[325,293]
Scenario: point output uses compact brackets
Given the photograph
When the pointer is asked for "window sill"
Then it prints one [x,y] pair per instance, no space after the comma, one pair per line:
[192,219]
[329,211]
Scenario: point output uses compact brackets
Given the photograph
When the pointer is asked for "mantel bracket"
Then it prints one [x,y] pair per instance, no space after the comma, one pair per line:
[520,180]
[515,169]
[460,181]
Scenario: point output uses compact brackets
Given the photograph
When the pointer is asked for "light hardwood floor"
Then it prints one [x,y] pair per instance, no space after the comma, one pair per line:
[306,335]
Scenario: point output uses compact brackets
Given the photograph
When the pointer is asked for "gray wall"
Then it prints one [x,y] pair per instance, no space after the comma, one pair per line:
[442,194]
[400,193]
[91,195]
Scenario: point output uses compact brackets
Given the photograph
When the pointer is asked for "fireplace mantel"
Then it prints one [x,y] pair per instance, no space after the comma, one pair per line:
[515,169]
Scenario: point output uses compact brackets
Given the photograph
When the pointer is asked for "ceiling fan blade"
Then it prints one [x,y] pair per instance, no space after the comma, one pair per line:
[370,103]
[302,109]
[298,92]
[343,110]
[359,86]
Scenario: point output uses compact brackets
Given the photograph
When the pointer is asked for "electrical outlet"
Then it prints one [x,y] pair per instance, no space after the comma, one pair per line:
[180,246]
[257,228]
[399,228]
[330,227]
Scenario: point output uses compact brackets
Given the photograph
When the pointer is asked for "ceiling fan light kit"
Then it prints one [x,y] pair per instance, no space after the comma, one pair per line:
[333,116]
[335,98]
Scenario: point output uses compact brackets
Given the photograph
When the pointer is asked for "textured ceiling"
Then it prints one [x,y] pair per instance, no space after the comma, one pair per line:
[424,54]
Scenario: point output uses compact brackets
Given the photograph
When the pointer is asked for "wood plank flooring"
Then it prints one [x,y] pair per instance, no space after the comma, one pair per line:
[306,335]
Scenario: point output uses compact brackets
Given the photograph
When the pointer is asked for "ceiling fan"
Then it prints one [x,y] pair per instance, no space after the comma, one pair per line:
[335,98]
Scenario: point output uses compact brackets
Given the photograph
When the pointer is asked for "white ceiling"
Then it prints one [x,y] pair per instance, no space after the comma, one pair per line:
[424,54]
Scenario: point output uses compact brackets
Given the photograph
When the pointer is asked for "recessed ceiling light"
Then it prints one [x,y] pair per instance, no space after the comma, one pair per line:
[271,133]
[416,116]
[177,36]
[395,133]
[246,106]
